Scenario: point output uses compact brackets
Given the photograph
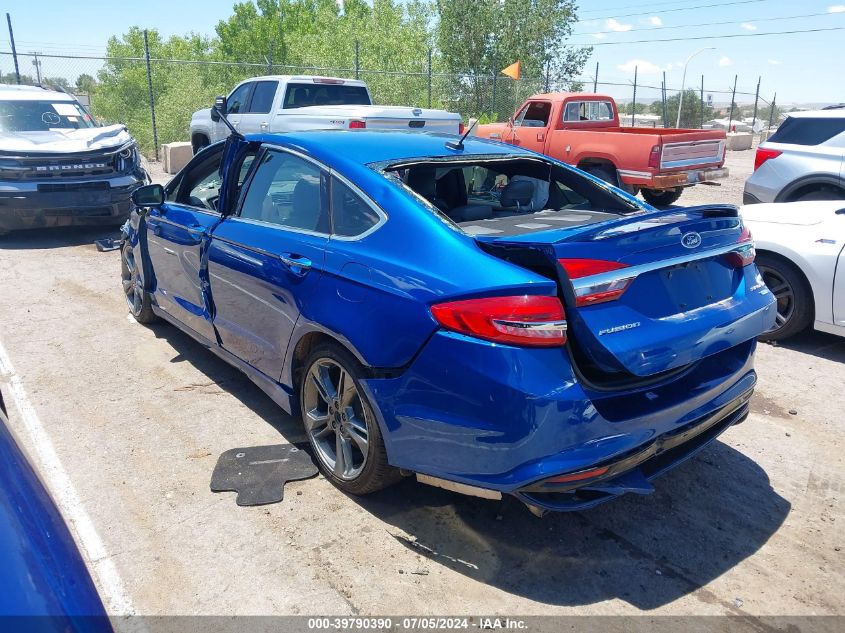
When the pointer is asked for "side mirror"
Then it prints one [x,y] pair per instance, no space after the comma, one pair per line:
[148,196]
[218,108]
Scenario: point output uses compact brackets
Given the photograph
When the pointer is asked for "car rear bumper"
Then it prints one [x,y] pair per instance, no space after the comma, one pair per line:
[505,419]
[40,205]
[676,179]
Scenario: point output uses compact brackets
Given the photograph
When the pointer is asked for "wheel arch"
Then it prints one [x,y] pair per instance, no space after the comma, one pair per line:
[197,137]
[307,341]
[807,184]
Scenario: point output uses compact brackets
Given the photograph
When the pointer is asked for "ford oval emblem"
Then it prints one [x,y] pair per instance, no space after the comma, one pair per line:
[416,112]
[691,240]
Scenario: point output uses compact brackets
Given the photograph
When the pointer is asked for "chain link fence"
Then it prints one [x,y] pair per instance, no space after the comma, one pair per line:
[156,97]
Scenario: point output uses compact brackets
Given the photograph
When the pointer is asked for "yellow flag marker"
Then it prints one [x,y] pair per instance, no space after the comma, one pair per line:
[512,71]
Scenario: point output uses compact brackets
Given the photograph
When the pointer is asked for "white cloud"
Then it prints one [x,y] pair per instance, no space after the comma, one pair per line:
[614,25]
[655,21]
[725,61]
[748,26]
[643,67]
[836,8]
[599,36]
[775,62]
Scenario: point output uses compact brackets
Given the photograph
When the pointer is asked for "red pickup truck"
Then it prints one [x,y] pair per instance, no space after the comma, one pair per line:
[583,130]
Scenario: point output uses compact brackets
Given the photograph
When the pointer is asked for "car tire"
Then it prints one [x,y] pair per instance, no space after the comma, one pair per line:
[199,143]
[662,197]
[821,194]
[137,298]
[339,420]
[793,295]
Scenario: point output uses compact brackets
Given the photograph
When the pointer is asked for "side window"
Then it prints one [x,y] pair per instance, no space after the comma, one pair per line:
[572,111]
[285,190]
[807,131]
[535,114]
[200,185]
[351,215]
[236,103]
[263,96]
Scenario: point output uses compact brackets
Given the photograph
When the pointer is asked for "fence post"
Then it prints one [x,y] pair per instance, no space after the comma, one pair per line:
[701,98]
[733,99]
[493,99]
[14,50]
[548,71]
[756,99]
[357,59]
[270,57]
[596,79]
[663,95]
[634,101]
[429,77]
[772,110]
[150,88]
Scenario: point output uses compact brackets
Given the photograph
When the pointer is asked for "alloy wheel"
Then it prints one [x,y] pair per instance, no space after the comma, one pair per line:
[784,295]
[130,278]
[336,420]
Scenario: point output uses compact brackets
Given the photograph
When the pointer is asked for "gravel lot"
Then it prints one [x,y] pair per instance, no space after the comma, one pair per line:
[137,417]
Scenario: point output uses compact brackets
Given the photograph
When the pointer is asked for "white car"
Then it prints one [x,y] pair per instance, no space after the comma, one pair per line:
[284,103]
[800,256]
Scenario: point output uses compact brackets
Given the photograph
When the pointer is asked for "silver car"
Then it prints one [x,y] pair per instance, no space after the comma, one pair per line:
[803,160]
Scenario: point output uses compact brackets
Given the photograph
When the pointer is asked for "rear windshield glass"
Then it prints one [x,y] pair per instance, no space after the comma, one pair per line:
[301,95]
[801,131]
[42,116]
[509,196]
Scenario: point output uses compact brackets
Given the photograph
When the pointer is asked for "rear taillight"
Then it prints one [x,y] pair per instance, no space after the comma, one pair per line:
[579,476]
[763,155]
[654,157]
[357,125]
[461,128]
[744,253]
[601,291]
[530,320]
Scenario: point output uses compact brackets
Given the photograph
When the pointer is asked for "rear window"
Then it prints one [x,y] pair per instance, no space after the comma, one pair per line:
[42,116]
[303,95]
[262,96]
[801,131]
[588,111]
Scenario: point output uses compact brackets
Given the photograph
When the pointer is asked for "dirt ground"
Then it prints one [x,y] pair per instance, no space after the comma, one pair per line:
[137,416]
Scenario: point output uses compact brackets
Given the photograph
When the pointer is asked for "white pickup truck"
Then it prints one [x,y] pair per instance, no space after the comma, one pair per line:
[284,103]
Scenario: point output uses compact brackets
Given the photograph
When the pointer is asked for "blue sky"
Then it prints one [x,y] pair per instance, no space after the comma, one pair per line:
[805,67]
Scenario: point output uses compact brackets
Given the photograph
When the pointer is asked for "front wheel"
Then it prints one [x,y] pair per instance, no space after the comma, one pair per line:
[794,299]
[137,298]
[340,423]
[662,197]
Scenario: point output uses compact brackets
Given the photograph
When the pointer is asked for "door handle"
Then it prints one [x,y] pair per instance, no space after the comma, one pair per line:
[169,251]
[297,264]
[264,125]
[541,136]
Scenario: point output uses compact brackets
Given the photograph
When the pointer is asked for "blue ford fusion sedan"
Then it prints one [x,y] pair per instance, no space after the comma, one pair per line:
[485,318]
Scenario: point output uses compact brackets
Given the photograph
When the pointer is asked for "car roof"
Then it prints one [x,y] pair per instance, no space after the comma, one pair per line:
[32,93]
[317,79]
[364,147]
[837,113]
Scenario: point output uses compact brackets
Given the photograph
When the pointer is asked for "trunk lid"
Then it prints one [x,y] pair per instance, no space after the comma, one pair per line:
[380,117]
[687,292]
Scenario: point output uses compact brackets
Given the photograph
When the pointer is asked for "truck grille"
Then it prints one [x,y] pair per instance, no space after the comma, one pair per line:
[692,154]
[60,167]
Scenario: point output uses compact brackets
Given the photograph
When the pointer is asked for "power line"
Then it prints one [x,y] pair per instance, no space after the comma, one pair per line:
[701,6]
[686,26]
[714,37]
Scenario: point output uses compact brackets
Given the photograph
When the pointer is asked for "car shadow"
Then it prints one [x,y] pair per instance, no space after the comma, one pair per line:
[231,380]
[819,344]
[58,237]
[705,517]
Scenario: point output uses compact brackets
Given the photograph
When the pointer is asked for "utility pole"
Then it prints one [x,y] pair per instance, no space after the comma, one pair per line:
[596,79]
[733,99]
[14,50]
[634,101]
[37,63]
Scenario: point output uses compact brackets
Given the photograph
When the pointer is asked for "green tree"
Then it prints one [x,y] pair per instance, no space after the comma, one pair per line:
[656,107]
[86,84]
[477,38]
[690,112]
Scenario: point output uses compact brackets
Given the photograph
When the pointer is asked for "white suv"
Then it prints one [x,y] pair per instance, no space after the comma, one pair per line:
[803,160]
